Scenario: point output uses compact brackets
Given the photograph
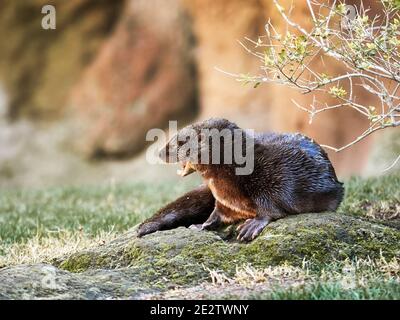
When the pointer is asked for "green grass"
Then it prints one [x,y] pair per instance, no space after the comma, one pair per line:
[35,224]
[359,191]
[25,213]
[42,213]
[374,198]
[380,290]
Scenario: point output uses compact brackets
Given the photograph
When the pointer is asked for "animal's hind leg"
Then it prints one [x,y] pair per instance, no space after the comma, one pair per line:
[193,207]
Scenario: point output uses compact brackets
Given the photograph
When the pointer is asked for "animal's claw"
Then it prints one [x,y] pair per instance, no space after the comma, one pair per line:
[196,226]
[251,228]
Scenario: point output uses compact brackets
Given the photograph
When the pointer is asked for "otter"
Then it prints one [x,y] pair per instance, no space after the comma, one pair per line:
[291,174]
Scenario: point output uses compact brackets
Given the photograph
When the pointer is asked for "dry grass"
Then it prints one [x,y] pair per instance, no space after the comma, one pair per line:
[350,279]
[360,269]
[248,276]
[43,249]
[383,210]
[349,274]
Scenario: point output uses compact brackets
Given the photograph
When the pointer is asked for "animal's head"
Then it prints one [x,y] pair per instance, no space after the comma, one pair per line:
[198,143]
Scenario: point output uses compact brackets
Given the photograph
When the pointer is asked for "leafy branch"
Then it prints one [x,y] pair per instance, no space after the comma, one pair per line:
[366,47]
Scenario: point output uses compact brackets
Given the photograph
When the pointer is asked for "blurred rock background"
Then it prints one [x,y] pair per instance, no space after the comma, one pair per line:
[76,102]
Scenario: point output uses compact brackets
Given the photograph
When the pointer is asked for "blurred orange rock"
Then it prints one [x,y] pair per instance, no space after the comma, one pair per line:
[217,26]
[143,76]
[37,66]
[135,68]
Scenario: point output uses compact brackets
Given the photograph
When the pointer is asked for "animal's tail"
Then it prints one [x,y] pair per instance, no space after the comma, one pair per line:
[193,207]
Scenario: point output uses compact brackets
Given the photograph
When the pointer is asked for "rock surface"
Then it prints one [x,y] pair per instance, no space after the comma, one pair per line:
[143,76]
[131,267]
[37,66]
[128,67]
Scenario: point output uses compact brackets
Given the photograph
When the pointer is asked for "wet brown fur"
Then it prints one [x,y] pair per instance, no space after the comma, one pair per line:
[292,175]
[193,207]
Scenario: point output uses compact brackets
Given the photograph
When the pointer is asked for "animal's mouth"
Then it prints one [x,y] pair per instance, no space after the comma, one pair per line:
[187,168]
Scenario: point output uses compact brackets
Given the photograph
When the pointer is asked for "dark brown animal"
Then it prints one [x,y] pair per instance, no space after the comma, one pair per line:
[291,175]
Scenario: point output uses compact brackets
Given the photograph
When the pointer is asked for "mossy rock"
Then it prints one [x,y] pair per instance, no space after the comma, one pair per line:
[182,256]
[131,267]
[42,281]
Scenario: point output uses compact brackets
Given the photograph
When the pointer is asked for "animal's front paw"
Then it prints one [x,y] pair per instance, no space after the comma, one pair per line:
[251,228]
[196,226]
[148,227]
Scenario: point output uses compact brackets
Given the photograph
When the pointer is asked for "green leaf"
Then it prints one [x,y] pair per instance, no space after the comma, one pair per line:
[282,56]
[268,58]
[337,92]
